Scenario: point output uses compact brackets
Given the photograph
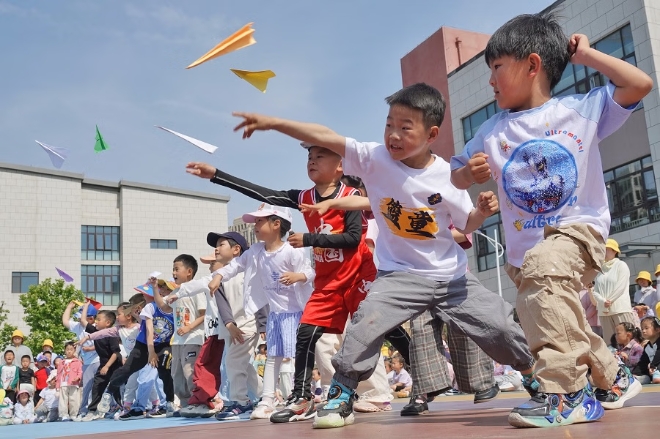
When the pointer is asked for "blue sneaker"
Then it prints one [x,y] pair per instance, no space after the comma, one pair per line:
[338,411]
[625,387]
[555,410]
[236,411]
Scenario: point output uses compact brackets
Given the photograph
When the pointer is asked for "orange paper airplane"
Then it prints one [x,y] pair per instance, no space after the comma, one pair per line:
[238,40]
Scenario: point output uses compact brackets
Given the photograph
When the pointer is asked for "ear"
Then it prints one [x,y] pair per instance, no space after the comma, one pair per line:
[236,250]
[433,134]
[340,167]
[535,65]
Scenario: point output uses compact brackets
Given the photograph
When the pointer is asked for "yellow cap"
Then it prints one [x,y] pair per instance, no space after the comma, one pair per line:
[644,275]
[657,269]
[613,245]
[17,333]
[48,342]
[167,284]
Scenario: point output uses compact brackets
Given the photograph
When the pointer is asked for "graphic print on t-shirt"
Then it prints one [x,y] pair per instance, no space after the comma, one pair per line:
[539,177]
[163,329]
[418,223]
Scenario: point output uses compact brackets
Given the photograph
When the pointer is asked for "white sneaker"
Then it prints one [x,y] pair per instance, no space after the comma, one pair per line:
[91,416]
[170,410]
[262,411]
[77,419]
[104,405]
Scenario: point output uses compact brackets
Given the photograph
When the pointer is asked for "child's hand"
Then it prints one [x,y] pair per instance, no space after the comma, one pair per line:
[623,356]
[183,331]
[235,334]
[202,170]
[215,284]
[296,240]
[262,335]
[487,203]
[479,168]
[290,278]
[103,370]
[253,122]
[316,209]
[578,45]
[153,359]
[171,298]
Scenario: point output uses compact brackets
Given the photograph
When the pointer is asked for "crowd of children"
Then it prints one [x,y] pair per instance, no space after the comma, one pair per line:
[415,198]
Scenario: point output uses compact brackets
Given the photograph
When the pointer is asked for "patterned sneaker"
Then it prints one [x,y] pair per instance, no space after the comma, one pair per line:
[418,405]
[338,411]
[157,412]
[237,412]
[105,404]
[297,409]
[625,387]
[555,410]
[263,410]
[132,415]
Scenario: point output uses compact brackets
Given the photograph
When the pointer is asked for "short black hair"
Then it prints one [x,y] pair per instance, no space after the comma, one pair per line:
[188,261]
[532,33]
[26,356]
[232,243]
[353,181]
[285,225]
[7,352]
[69,343]
[109,315]
[424,98]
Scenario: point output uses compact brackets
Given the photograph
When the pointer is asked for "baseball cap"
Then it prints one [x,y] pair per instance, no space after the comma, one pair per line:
[145,289]
[306,145]
[212,240]
[167,283]
[268,210]
[41,357]
[208,259]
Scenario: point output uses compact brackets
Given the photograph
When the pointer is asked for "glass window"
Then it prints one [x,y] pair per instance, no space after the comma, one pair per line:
[472,122]
[101,283]
[21,281]
[486,254]
[163,243]
[99,243]
[632,195]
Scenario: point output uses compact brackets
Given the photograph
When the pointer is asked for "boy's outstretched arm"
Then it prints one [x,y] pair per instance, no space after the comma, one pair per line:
[632,84]
[487,205]
[315,134]
[343,203]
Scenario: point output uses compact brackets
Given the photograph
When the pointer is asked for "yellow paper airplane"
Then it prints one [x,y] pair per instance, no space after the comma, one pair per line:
[258,79]
[239,39]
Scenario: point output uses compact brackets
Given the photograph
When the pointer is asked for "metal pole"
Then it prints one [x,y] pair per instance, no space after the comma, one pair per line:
[497,265]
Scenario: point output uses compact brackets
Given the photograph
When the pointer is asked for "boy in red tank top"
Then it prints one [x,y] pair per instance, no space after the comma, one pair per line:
[343,263]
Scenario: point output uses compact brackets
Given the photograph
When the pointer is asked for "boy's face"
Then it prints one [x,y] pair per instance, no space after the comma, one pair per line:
[49,356]
[25,363]
[90,320]
[102,322]
[406,138]
[509,78]
[17,341]
[180,273]
[323,165]
[224,252]
[9,358]
[316,375]
[70,351]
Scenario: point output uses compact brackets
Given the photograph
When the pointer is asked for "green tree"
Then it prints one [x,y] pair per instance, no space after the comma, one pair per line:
[5,328]
[44,305]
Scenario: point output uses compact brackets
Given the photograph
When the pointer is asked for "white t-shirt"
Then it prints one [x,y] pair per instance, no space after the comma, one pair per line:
[413,209]
[186,310]
[547,165]
[128,337]
[8,375]
[50,396]
[87,357]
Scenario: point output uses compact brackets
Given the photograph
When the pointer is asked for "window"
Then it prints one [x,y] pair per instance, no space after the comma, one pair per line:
[486,254]
[163,243]
[472,122]
[580,79]
[101,283]
[22,280]
[632,195]
[99,243]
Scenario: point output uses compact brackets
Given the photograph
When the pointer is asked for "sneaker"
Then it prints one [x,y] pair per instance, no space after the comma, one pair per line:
[65,419]
[157,412]
[91,416]
[171,411]
[418,405]
[338,411]
[532,386]
[238,412]
[78,418]
[625,387]
[105,404]
[131,415]
[198,410]
[555,410]
[487,395]
[297,409]
[262,411]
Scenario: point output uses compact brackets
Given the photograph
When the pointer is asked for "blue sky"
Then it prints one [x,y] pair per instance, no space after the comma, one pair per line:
[70,65]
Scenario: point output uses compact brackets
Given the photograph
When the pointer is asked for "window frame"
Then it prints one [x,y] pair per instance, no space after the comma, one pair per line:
[104,274]
[107,249]
[23,276]
[163,244]
[483,249]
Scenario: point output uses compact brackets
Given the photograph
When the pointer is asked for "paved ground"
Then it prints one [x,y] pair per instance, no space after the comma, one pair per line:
[451,417]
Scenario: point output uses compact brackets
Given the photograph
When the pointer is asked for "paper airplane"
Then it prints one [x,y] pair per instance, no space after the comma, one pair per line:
[63,275]
[258,79]
[238,40]
[57,155]
[198,143]
[92,302]
[154,274]
[100,143]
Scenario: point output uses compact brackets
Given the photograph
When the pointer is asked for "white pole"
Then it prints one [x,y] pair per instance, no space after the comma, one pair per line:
[498,255]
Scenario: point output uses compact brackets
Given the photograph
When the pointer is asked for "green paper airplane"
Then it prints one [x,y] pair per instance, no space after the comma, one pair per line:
[100,143]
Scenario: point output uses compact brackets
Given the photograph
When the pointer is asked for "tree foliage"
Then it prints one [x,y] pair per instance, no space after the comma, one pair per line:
[44,305]
[5,328]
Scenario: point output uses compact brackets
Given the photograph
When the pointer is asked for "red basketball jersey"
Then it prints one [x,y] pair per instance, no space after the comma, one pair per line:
[337,268]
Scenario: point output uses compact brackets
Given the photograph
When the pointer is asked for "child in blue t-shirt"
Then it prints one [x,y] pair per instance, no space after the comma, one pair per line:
[542,152]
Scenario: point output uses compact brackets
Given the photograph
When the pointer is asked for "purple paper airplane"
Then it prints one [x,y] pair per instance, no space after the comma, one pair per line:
[64,276]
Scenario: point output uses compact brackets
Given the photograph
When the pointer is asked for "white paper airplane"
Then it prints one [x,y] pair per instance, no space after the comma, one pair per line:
[57,155]
[154,274]
[198,143]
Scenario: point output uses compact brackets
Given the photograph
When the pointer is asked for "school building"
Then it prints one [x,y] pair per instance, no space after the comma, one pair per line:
[453,61]
[108,236]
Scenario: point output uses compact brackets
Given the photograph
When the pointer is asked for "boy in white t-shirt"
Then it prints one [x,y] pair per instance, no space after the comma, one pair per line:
[542,152]
[421,267]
